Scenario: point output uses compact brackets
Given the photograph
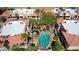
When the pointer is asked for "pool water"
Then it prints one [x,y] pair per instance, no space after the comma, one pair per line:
[44,40]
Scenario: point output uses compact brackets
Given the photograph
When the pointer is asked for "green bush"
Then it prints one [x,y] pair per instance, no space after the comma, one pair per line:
[48,19]
[3,19]
[24,36]
[2,10]
[16,48]
[61,8]
[32,47]
[72,7]
[57,45]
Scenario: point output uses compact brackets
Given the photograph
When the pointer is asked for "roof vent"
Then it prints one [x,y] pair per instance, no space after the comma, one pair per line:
[75,22]
[64,22]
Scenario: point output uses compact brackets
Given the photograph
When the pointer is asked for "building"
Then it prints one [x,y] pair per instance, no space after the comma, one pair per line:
[69,34]
[6,13]
[48,10]
[66,13]
[24,13]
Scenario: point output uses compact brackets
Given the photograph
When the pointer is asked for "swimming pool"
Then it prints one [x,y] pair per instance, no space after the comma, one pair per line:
[13,28]
[44,40]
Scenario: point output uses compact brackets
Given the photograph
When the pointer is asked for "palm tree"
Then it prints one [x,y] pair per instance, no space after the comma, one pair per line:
[37,11]
[26,37]
[48,19]
[32,47]
[17,48]
[61,8]
[3,19]
[2,9]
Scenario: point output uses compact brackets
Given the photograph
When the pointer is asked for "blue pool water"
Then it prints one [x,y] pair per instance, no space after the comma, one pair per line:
[44,39]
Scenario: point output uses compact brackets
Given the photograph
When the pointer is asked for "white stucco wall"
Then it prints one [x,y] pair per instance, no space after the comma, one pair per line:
[73,48]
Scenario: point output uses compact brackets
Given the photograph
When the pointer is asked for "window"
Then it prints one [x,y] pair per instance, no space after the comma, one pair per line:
[33,16]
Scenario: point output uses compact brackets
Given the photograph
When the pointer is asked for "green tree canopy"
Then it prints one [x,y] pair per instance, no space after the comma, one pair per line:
[32,47]
[2,10]
[24,36]
[3,18]
[33,22]
[61,8]
[17,48]
[48,19]
[72,7]
[37,11]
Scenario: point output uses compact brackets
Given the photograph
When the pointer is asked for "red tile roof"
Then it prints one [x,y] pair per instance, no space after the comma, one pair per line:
[68,37]
[13,40]
[6,13]
[1,45]
[75,41]
[72,40]
[34,14]
[46,9]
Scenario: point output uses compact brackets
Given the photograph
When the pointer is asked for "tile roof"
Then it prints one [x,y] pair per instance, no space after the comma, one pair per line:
[6,13]
[68,37]
[75,41]
[1,45]
[46,9]
[13,40]
[34,14]
[72,40]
